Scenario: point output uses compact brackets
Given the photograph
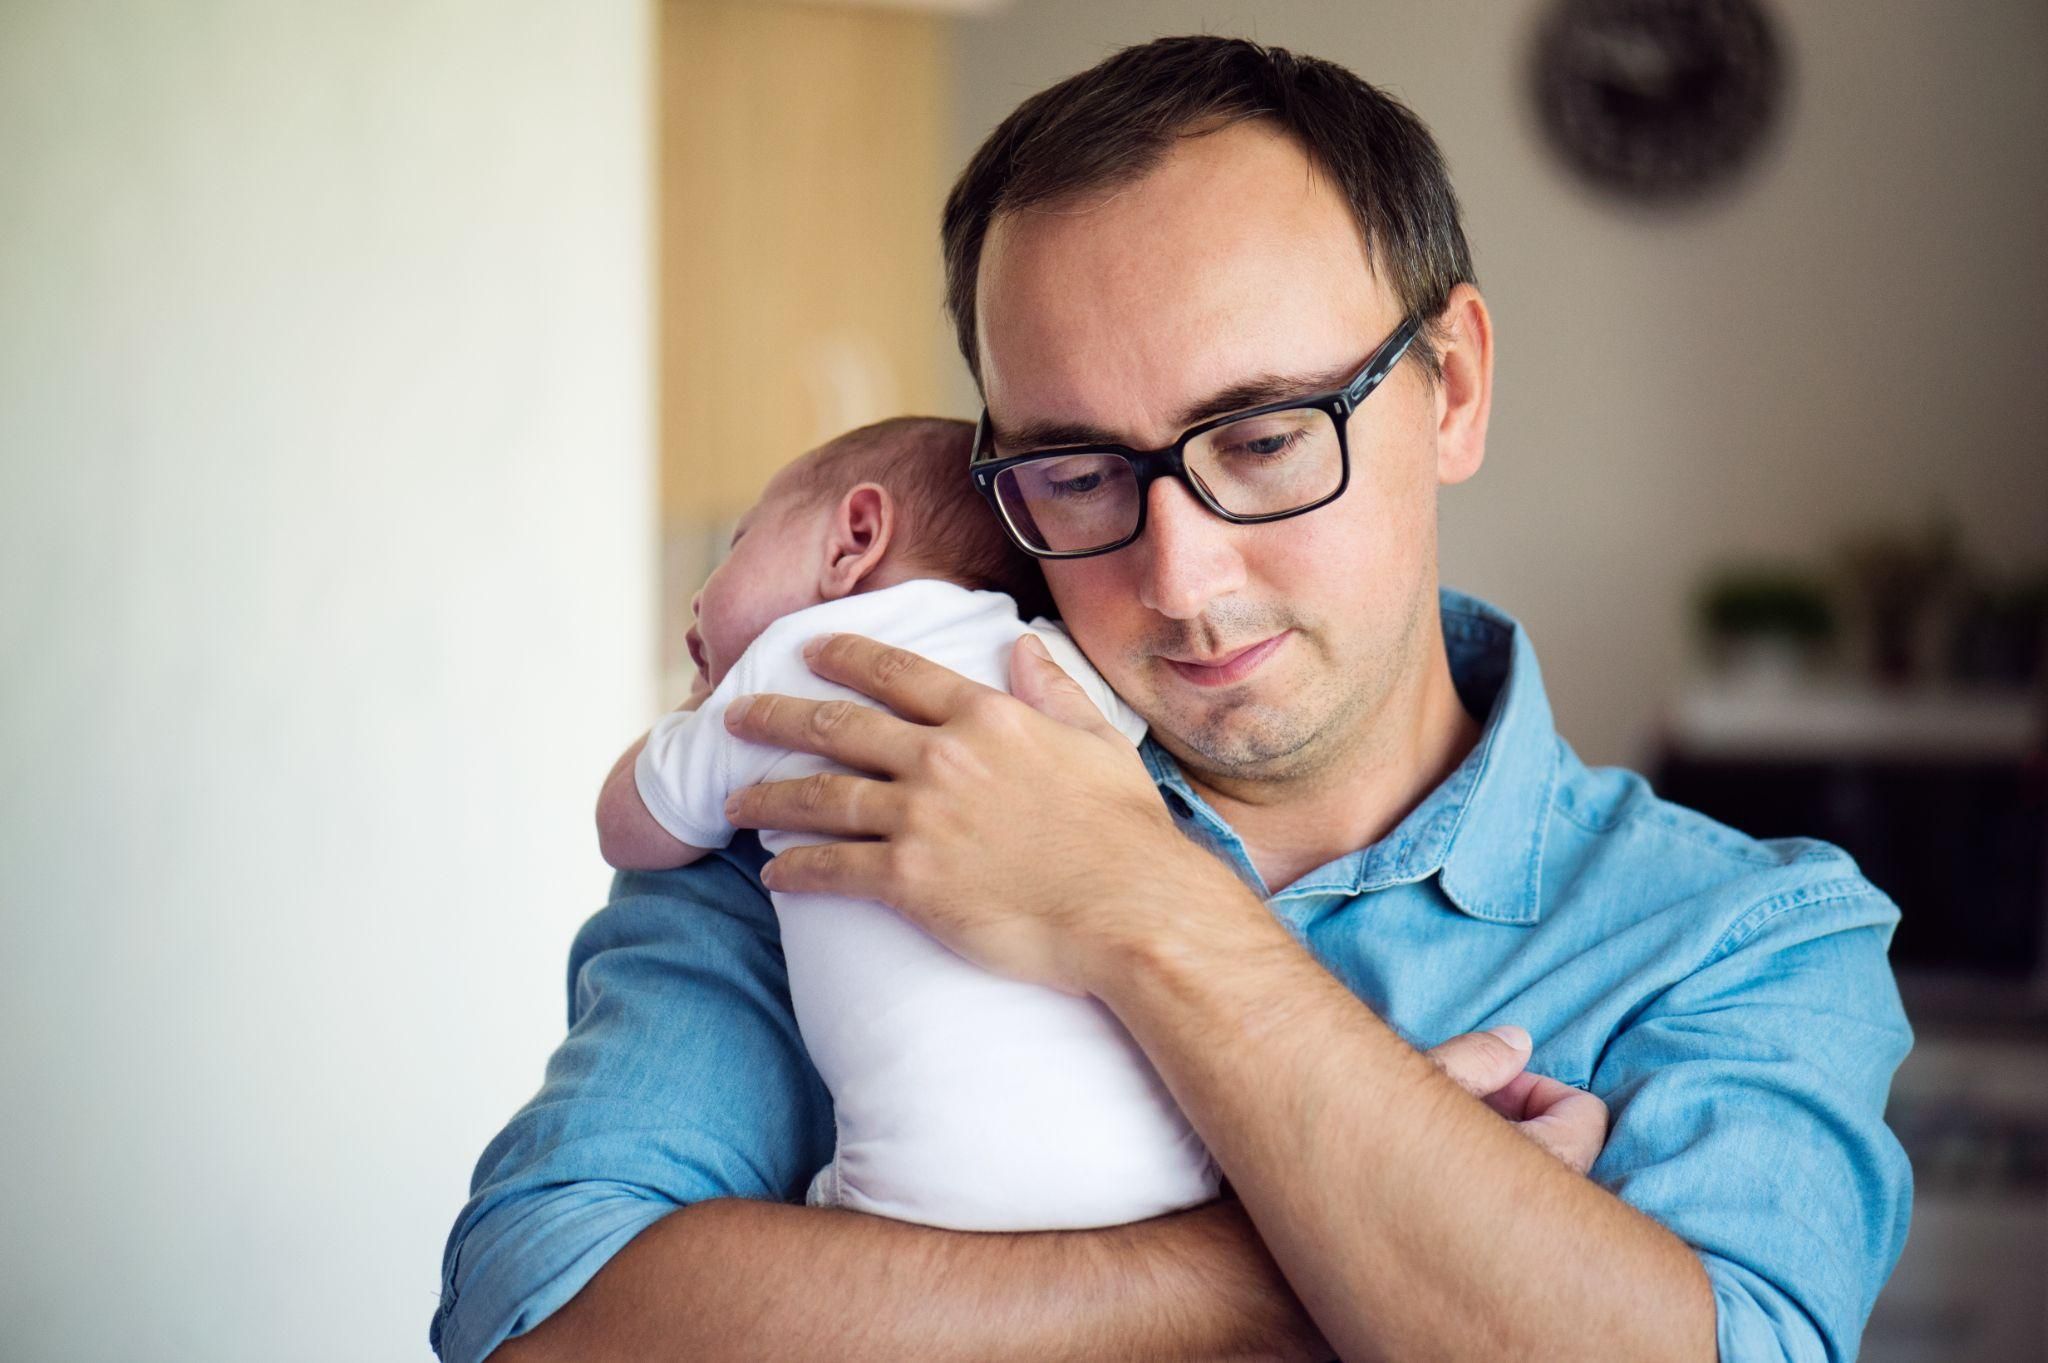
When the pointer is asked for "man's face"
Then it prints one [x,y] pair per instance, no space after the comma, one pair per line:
[1126,313]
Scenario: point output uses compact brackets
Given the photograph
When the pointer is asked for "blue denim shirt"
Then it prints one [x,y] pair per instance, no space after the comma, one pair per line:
[1730,999]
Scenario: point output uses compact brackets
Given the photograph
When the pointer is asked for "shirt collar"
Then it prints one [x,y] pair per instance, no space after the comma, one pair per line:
[1481,831]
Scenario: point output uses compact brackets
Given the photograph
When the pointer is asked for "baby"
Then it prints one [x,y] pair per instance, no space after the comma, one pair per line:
[962,1099]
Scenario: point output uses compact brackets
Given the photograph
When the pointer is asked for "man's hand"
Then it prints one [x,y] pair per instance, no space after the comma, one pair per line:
[1570,1123]
[939,837]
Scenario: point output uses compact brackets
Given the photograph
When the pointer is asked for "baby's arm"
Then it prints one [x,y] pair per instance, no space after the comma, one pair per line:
[630,838]
[663,805]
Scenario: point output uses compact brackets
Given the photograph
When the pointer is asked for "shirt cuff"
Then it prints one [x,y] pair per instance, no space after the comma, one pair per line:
[523,1263]
[1754,1321]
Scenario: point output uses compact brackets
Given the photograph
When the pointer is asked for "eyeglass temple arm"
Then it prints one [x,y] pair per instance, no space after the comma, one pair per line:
[1383,362]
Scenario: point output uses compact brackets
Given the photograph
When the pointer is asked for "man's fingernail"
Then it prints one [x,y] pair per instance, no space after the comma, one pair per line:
[737,711]
[1513,1035]
[732,805]
[811,648]
[770,873]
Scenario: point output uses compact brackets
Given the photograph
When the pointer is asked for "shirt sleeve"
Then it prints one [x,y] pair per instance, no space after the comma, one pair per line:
[690,764]
[682,1078]
[1748,1106]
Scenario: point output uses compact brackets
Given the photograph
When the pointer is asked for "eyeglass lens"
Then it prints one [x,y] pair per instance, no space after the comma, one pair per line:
[1264,465]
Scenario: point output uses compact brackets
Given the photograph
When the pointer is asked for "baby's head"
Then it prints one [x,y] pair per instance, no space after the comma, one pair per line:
[877,506]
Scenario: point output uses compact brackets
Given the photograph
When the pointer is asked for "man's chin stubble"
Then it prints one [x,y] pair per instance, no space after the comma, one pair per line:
[1308,734]
[1250,741]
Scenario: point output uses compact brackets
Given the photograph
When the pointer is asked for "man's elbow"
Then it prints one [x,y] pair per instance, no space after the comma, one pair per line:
[547,1342]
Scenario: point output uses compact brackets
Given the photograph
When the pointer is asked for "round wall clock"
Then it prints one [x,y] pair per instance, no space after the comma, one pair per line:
[1657,99]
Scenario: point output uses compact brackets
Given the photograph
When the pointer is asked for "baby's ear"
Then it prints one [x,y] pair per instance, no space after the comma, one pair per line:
[863,523]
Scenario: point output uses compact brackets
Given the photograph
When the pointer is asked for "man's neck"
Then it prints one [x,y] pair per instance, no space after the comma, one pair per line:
[1409,747]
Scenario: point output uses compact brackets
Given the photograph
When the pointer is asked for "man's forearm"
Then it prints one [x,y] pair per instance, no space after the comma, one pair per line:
[1411,1221]
[746,1280]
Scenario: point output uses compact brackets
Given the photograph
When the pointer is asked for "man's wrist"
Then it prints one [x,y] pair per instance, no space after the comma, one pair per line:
[1185,915]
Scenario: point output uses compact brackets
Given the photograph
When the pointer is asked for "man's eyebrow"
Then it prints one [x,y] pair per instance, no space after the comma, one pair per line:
[1263,389]
[1253,392]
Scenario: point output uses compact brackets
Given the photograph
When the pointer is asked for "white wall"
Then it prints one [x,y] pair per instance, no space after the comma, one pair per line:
[1853,333]
[325,560]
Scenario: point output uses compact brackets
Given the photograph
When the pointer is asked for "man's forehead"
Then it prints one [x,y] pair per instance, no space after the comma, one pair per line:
[1228,267]
[1251,391]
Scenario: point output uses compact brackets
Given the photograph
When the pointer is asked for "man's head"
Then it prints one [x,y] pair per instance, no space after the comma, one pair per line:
[1145,244]
[1111,124]
[866,510]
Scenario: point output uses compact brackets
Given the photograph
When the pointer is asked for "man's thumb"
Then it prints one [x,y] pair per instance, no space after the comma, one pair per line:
[1044,685]
[1484,1062]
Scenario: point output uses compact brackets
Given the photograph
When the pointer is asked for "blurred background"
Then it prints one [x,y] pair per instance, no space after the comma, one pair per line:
[377,381]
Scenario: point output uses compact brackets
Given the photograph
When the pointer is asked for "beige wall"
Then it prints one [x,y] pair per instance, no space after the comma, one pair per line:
[801,174]
[326,566]
[1854,333]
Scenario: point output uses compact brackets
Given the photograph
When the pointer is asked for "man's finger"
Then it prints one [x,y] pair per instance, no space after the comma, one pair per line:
[1041,683]
[858,870]
[852,734]
[1570,1123]
[916,688]
[1483,1063]
[828,802]
[1511,1100]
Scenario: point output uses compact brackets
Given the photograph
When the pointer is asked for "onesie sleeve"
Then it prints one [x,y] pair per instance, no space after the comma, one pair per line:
[1075,664]
[690,763]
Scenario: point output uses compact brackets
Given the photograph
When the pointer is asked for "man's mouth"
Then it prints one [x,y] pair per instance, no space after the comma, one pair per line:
[1226,668]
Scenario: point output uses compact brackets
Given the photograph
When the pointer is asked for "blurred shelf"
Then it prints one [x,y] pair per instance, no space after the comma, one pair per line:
[1941,797]
[1838,721]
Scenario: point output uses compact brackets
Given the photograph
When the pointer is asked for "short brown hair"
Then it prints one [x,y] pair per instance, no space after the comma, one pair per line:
[945,524]
[1115,121]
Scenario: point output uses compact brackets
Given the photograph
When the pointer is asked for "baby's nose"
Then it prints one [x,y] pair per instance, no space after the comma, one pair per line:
[695,597]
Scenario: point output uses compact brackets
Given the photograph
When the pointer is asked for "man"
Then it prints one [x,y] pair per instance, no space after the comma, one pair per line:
[1394,847]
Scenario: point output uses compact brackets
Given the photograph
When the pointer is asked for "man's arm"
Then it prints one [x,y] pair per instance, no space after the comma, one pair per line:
[1750,1098]
[634,1208]
[742,1280]
[1408,1221]
[1456,1239]
[641,1190]
[745,1279]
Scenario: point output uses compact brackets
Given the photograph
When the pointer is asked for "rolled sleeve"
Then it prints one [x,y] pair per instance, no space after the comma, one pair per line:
[1748,1101]
[682,1078]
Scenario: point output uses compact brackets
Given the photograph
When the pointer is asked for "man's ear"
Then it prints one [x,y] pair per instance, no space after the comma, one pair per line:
[863,523]
[1464,394]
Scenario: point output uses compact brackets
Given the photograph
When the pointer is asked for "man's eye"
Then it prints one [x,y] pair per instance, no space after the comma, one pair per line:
[1076,487]
[1266,446]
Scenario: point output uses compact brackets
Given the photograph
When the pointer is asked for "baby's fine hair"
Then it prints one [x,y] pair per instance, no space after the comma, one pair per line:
[945,525]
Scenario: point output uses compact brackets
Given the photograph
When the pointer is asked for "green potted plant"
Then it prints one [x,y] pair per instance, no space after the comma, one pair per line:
[1765,623]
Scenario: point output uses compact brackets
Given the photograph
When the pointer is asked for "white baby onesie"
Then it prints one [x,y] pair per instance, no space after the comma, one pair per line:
[963,1099]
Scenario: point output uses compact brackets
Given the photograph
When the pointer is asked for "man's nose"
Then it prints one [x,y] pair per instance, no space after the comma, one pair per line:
[1189,554]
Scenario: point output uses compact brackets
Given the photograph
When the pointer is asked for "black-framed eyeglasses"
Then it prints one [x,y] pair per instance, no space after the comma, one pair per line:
[1263,464]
